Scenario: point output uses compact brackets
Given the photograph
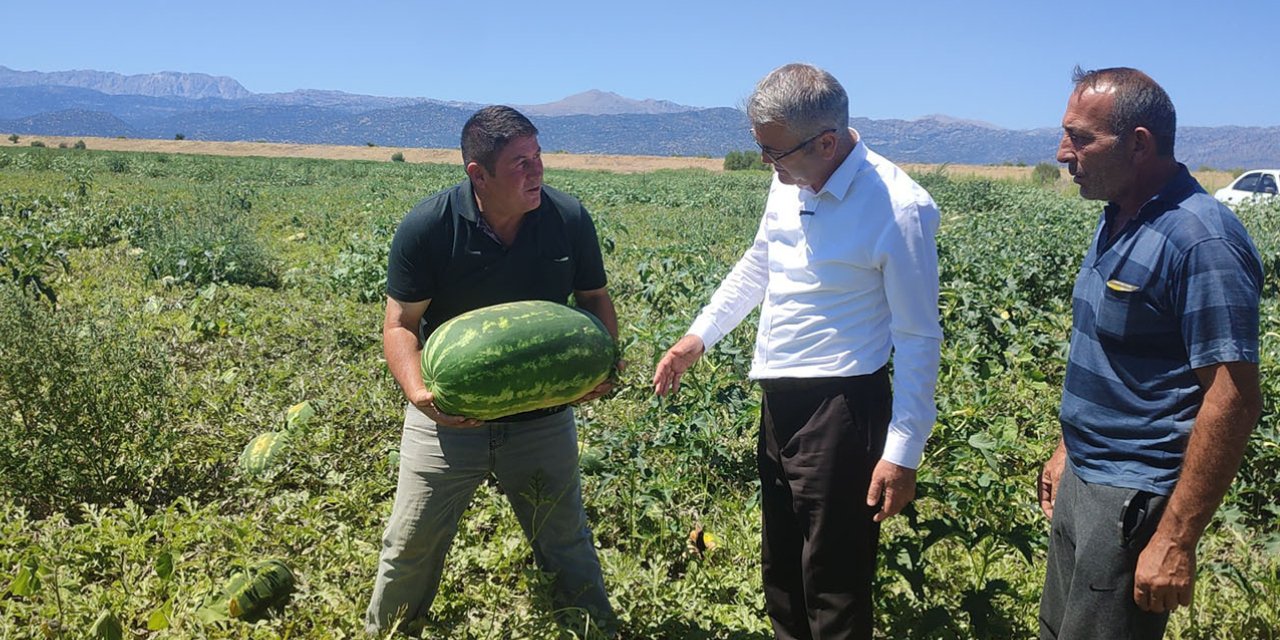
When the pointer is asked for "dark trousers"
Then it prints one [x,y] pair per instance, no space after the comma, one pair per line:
[819,441]
[1095,539]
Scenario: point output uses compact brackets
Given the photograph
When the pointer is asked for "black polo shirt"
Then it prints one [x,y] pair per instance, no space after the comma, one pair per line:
[442,252]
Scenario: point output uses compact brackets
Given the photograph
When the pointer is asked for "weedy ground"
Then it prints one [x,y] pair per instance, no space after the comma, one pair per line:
[159,311]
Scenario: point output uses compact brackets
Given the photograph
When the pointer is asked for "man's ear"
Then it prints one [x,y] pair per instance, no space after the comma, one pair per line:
[476,173]
[830,143]
[1142,144]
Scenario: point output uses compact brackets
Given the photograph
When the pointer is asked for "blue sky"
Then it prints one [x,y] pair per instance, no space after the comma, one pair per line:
[1003,62]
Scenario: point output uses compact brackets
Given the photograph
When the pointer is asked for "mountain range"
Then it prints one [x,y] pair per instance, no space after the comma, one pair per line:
[204,107]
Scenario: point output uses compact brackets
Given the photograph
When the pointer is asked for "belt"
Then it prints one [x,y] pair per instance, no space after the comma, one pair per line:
[775,385]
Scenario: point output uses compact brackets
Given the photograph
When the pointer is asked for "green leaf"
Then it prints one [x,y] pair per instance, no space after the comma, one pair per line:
[27,582]
[164,565]
[159,619]
[107,627]
[211,614]
[986,445]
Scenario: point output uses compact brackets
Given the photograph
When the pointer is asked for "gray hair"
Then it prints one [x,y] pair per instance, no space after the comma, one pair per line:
[801,97]
[488,131]
[1139,102]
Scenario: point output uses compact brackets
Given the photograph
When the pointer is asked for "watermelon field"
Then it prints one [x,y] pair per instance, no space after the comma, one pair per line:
[160,312]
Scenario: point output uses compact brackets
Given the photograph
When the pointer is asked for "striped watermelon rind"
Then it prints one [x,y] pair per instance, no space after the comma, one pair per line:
[251,595]
[262,450]
[519,356]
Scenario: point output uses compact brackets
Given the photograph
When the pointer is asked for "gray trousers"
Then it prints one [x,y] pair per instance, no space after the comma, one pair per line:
[536,464]
[1097,533]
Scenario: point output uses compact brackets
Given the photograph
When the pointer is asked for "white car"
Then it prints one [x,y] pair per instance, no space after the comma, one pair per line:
[1260,183]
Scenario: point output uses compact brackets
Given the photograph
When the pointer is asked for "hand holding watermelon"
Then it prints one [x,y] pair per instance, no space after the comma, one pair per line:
[426,403]
[606,387]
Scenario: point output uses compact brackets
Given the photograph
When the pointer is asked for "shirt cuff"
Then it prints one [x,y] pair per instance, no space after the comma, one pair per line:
[706,330]
[903,449]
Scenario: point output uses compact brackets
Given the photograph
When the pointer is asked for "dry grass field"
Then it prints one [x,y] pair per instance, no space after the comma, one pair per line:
[1211,180]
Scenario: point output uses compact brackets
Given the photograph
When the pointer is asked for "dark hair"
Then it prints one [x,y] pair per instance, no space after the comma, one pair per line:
[1140,102]
[489,130]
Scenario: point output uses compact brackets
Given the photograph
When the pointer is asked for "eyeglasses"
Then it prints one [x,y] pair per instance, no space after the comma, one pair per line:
[777,157]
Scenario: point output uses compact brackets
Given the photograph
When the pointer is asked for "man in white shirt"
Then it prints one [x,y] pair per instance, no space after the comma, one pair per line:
[846,267]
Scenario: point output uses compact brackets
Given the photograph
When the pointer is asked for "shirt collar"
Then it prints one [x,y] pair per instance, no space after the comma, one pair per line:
[1177,189]
[841,180]
[464,201]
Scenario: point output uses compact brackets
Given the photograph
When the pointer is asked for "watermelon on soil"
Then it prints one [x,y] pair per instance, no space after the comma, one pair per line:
[262,450]
[251,595]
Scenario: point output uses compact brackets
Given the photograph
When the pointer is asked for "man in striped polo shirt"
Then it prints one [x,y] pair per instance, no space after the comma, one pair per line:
[1161,391]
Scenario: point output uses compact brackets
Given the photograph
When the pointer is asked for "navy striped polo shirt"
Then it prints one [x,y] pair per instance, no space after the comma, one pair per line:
[1177,289]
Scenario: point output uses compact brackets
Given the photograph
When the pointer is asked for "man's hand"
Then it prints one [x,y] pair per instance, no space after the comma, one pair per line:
[1047,486]
[425,402]
[1165,577]
[892,487]
[606,387]
[677,360]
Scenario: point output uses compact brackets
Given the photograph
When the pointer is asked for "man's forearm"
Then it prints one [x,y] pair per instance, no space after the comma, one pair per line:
[601,306]
[400,347]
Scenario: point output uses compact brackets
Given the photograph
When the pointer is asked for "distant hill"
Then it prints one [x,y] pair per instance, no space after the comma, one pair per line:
[71,122]
[201,107]
[596,102]
[164,83]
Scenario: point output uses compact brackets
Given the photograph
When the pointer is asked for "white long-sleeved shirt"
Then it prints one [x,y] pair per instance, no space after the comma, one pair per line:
[845,283]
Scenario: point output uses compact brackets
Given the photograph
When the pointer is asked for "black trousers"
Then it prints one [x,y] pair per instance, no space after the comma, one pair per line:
[819,441]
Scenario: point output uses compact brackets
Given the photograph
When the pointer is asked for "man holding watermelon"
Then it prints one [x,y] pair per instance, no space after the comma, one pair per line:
[846,268]
[499,236]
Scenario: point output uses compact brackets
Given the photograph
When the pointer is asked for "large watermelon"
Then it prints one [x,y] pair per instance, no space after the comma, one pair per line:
[515,357]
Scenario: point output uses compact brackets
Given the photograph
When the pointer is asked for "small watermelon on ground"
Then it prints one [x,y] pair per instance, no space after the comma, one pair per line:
[590,460]
[515,357]
[299,415]
[262,451]
[251,595]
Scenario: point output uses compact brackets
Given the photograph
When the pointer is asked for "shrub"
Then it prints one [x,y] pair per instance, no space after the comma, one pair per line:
[87,409]
[33,249]
[62,145]
[209,244]
[739,160]
[397,157]
[118,164]
[13,137]
[179,136]
[37,143]
[1045,173]
[79,144]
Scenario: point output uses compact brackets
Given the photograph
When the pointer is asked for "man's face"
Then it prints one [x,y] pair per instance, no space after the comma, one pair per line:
[790,155]
[515,186]
[1097,159]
